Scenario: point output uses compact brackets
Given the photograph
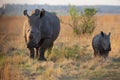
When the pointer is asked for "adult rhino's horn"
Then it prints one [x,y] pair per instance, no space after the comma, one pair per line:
[25,13]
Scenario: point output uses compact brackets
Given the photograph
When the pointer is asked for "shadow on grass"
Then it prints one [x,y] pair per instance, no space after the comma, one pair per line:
[117,60]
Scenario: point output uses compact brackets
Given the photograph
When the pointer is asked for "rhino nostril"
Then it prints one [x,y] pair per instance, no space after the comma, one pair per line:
[31,37]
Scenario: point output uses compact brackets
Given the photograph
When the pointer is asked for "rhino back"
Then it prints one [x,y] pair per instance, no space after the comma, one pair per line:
[50,25]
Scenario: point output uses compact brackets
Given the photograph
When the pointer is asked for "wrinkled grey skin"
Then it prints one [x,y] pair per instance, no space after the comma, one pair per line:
[40,31]
[101,44]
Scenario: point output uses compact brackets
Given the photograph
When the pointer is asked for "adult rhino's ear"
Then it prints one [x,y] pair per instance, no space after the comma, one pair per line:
[42,13]
[25,13]
[37,12]
[102,33]
[109,34]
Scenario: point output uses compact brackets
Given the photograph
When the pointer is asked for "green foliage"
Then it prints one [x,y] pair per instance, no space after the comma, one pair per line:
[84,23]
[88,21]
[74,14]
[89,12]
[72,52]
[2,59]
[56,54]
[65,52]
[54,13]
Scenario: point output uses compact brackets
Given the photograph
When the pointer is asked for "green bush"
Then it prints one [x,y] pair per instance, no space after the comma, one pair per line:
[84,23]
[72,52]
[87,20]
[56,54]
[74,14]
[65,52]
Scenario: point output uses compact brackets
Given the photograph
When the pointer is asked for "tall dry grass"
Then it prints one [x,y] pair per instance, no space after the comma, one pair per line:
[10,40]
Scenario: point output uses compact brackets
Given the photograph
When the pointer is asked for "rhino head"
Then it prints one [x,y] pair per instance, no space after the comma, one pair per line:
[33,33]
[105,41]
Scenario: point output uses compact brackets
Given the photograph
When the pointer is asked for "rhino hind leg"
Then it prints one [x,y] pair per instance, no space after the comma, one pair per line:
[96,52]
[50,48]
[31,52]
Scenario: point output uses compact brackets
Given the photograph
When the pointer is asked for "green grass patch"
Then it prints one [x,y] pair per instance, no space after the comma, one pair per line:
[40,70]
[2,59]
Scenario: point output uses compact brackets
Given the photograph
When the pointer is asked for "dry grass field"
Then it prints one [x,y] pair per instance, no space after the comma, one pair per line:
[71,58]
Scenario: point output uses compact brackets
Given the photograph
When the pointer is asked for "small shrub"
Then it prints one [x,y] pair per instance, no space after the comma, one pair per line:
[74,19]
[72,52]
[2,59]
[84,23]
[88,21]
[65,52]
[56,53]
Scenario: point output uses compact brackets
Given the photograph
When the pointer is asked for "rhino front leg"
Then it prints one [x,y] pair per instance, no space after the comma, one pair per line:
[32,52]
[46,43]
[41,56]
[37,51]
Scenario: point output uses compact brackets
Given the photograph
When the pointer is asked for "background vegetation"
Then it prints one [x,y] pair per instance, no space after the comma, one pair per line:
[83,23]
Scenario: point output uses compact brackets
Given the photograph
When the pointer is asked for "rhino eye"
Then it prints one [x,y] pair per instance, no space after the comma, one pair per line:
[28,30]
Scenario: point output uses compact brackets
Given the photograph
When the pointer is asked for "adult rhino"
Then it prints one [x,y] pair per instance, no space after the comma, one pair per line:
[101,44]
[40,31]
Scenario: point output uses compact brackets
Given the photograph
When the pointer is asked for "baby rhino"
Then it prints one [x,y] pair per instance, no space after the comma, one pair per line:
[101,44]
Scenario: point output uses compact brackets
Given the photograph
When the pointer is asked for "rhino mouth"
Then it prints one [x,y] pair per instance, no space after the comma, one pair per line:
[107,50]
[32,45]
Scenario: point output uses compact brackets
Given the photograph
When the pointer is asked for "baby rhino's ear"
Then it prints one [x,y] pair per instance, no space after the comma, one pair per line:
[109,34]
[102,33]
